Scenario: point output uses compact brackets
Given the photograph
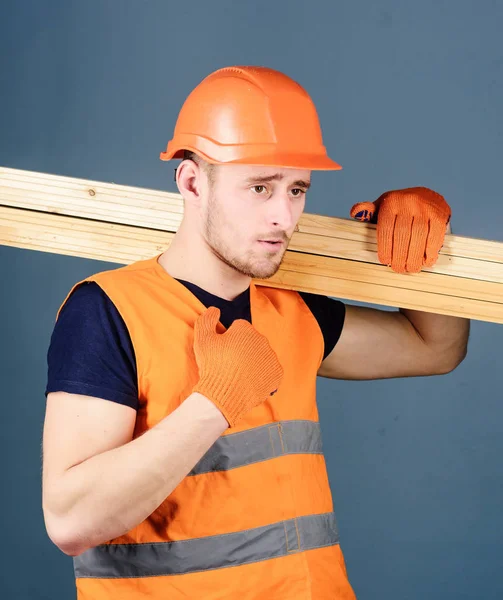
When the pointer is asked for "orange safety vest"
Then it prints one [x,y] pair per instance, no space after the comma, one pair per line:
[254,518]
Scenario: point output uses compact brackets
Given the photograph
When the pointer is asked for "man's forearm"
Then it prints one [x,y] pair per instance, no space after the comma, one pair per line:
[110,493]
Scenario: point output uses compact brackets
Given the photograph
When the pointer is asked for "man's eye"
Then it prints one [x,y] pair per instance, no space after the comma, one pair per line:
[259,188]
[298,192]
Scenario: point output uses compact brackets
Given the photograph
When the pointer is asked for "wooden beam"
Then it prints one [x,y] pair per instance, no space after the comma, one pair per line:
[327,255]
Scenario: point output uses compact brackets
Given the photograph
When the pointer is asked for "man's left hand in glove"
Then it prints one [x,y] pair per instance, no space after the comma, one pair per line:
[411,226]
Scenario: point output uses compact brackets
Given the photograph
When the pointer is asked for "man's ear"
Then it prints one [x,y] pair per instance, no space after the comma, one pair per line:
[189,180]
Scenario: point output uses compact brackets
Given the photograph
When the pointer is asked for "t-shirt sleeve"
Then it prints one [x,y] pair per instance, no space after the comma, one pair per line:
[90,351]
[330,315]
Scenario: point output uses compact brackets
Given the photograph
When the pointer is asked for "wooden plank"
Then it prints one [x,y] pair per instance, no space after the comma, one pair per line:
[110,242]
[333,276]
[154,209]
[327,255]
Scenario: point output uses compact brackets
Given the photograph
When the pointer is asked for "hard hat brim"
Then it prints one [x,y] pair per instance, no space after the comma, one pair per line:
[312,162]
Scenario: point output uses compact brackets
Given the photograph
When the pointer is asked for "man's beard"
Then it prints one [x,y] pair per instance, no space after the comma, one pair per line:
[265,270]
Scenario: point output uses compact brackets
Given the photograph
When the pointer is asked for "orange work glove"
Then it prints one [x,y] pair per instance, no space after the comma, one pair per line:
[411,225]
[238,369]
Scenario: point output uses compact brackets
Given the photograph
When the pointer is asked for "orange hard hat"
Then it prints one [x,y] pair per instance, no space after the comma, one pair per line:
[250,115]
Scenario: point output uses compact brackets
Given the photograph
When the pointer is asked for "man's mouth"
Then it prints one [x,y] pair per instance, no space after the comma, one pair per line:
[271,243]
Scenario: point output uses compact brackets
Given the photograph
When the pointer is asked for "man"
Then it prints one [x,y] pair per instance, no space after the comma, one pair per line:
[182,450]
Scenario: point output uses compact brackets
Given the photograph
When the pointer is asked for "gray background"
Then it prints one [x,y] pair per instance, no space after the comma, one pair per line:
[409,93]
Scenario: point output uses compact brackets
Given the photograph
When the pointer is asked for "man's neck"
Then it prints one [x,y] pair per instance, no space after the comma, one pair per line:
[207,272]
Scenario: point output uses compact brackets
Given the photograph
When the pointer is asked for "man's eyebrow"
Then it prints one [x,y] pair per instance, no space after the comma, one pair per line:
[258,179]
[302,183]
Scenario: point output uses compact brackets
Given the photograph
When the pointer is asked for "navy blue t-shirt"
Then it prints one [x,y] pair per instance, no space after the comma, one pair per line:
[91,352]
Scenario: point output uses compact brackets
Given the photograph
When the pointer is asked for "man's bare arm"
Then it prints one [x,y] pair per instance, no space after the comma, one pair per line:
[98,483]
[378,344]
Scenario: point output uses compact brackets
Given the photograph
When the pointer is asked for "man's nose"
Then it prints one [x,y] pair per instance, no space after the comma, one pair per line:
[281,215]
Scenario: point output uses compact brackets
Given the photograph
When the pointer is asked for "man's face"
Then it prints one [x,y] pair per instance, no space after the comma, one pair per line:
[249,204]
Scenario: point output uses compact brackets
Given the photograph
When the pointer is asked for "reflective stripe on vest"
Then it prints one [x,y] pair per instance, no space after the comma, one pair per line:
[212,552]
[259,444]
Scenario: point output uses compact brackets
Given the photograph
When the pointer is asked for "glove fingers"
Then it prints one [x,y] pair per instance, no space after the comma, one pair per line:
[206,324]
[241,328]
[435,242]
[401,242]
[363,211]
[385,229]
[417,246]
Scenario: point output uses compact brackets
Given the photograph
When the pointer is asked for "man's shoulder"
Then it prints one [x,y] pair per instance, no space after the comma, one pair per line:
[87,298]
[125,271]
